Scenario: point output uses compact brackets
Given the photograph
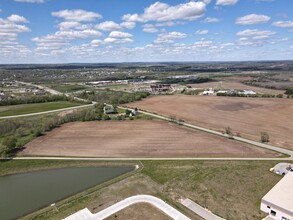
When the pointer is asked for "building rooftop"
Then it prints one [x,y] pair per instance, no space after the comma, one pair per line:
[281,195]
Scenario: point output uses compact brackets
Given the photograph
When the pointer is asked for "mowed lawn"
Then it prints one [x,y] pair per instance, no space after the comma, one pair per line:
[33,108]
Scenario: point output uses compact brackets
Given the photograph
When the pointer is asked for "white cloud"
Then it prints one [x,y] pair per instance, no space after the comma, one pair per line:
[78,34]
[226,2]
[60,39]
[30,1]
[119,34]
[68,25]
[128,24]
[255,32]
[9,26]
[96,43]
[150,28]
[255,41]
[203,43]
[162,12]
[169,23]
[169,37]
[226,45]
[283,24]
[9,31]
[108,26]
[77,15]
[17,19]
[252,19]
[111,40]
[202,32]
[210,20]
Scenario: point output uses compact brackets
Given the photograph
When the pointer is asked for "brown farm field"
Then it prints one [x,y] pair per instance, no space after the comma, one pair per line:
[247,116]
[139,138]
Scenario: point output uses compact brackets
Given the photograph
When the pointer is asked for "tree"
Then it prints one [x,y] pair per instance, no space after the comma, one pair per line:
[279,96]
[127,111]
[9,145]
[264,137]
[228,131]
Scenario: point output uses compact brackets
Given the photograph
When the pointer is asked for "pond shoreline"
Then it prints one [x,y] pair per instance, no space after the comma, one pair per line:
[24,193]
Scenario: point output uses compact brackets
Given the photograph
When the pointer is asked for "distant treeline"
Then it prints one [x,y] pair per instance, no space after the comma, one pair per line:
[253,96]
[185,80]
[39,99]
[113,97]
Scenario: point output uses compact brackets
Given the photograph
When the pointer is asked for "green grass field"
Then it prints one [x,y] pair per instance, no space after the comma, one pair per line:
[33,108]
[67,87]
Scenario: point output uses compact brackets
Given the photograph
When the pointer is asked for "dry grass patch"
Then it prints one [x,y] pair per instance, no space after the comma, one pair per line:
[230,189]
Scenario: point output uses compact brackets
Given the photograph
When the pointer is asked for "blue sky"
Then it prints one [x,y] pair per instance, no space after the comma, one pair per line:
[62,31]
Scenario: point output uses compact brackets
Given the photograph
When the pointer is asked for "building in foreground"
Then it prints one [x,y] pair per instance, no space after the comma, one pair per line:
[278,202]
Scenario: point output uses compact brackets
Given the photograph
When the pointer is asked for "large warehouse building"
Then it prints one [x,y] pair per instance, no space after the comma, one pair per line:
[278,202]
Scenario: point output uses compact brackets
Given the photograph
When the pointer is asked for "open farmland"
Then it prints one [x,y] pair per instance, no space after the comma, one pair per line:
[247,116]
[150,138]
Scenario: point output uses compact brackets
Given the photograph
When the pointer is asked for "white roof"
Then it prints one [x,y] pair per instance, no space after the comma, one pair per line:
[281,195]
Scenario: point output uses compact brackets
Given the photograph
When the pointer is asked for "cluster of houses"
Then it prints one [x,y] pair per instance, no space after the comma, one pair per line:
[12,89]
[211,91]
[109,109]
[32,90]
[161,88]
[3,96]
[107,82]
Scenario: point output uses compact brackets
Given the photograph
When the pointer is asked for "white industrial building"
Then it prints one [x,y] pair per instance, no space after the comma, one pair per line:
[278,202]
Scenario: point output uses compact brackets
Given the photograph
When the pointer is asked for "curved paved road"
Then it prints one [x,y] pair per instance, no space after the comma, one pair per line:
[257,144]
[85,214]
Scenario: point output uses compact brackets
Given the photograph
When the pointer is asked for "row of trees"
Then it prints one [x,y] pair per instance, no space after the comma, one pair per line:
[113,97]
[264,136]
[235,94]
[39,99]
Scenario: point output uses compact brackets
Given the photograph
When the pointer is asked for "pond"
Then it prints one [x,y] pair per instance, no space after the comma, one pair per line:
[21,194]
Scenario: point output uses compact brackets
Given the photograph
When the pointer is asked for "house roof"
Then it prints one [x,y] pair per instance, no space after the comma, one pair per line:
[281,195]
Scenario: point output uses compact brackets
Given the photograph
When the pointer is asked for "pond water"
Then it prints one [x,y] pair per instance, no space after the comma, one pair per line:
[21,194]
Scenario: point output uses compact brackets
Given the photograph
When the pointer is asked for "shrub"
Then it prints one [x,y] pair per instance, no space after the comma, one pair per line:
[264,137]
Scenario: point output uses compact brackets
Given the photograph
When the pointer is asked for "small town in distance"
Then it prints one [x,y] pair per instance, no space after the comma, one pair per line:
[139,110]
